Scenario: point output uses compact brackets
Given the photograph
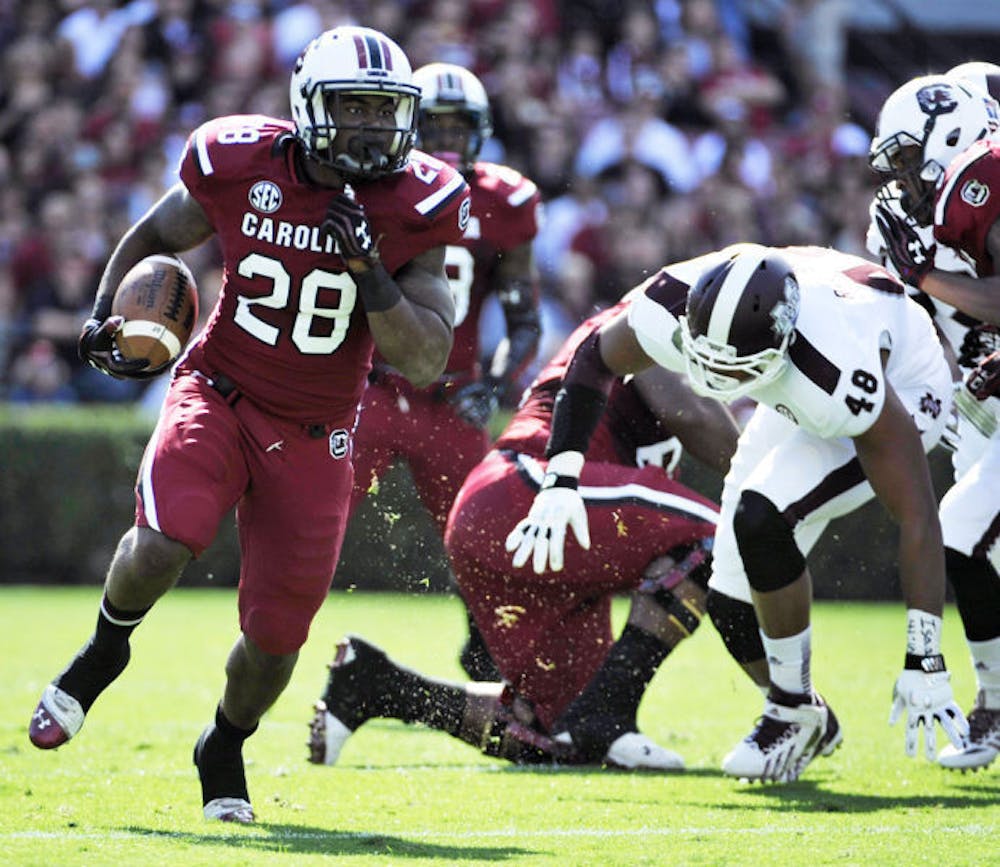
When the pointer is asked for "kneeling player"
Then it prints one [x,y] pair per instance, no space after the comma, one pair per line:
[571,692]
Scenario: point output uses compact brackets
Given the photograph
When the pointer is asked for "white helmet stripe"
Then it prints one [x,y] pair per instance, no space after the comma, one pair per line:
[730,296]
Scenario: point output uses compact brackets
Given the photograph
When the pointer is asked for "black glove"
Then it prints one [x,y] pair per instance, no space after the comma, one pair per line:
[908,254]
[347,223]
[97,347]
[476,402]
[979,341]
[984,379]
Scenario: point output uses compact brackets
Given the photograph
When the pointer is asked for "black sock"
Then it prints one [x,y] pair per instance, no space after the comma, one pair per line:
[104,657]
[412,697]
[787,699]
[608,705]
[218,756]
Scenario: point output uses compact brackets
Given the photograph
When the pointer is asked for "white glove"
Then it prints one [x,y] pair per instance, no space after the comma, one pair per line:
[926,696]
[557,505]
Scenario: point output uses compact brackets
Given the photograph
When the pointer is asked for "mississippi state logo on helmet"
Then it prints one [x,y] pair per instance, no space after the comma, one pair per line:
[739,321]
[346,61]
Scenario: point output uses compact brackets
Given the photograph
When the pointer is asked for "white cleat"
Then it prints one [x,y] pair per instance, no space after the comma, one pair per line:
[327,736]
[983,745]
[784,741]
[230,810]
[635,751]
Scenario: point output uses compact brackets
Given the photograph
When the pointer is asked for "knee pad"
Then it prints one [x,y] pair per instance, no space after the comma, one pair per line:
[767,546]
[736,623]
[977,594]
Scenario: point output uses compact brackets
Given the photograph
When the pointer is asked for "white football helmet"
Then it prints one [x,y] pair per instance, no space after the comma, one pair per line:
[739,323]
[921,128]
[979,73]
[446,88]
[353,60]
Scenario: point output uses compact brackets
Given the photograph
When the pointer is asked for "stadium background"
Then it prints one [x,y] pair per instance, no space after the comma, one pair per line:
[656,130]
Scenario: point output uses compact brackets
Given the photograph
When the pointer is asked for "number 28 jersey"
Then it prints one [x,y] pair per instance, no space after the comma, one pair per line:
[289,328]
[850,311]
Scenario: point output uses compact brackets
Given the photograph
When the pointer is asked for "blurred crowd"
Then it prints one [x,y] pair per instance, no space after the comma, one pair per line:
[656,130]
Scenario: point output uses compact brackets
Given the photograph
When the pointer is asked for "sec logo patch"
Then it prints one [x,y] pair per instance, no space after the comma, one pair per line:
[265,196]
[975,193]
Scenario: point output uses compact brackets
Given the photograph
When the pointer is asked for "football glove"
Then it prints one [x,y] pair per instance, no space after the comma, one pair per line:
[909,256]
[476,402]
[97,347]
[925,694]
[347,223]
[984,379]
[558,504]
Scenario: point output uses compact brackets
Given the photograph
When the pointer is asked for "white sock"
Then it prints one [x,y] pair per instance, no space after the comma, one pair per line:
[788,661]
[986,661]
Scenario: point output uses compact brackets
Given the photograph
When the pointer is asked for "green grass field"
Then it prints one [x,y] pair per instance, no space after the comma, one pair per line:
[125,792]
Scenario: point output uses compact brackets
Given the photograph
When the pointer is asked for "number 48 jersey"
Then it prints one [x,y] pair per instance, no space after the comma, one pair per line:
[850,312]
[289,329]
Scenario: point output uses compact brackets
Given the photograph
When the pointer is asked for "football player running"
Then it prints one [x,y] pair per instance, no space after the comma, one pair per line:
[571,692]
[852,389]
[333,233]
[441,431]
[935,222]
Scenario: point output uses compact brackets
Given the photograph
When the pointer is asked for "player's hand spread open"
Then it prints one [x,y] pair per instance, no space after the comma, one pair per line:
[923,690]
[558,504]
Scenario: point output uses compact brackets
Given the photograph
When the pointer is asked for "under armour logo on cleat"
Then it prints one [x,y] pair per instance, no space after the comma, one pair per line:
[43,718]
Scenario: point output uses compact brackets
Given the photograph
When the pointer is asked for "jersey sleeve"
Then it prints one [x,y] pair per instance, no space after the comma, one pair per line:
[210,162]
[968,204]
[652,317]
[519,200]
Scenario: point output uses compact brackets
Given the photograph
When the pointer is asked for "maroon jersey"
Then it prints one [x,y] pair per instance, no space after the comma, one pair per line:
[504,216]
[626,429]
[968,204]
[288,328]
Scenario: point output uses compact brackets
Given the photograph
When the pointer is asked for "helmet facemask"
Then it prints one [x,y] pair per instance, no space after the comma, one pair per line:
[911,181]
[369,151]
[438,139]
[715,370]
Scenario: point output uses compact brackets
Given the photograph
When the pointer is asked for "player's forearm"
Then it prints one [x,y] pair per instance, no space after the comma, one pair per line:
[921,565]
[975,296]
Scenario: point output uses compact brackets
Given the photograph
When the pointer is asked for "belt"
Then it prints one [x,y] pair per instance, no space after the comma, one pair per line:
[225,387]
[231,394]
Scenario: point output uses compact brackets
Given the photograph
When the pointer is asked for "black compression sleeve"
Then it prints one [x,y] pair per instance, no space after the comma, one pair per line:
[377,289]
[581,399]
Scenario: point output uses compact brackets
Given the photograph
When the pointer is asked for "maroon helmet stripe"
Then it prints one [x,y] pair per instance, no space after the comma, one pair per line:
[386,55]
[359,46]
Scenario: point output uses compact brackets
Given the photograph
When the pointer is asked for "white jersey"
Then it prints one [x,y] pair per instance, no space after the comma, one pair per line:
[851,310]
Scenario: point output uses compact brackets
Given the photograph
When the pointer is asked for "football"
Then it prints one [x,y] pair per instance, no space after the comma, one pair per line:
[159,301]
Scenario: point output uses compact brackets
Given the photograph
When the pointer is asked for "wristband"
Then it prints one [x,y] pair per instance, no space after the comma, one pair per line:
[378,290]
[551,480]
[926,664]
[563,471]
[923,633]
